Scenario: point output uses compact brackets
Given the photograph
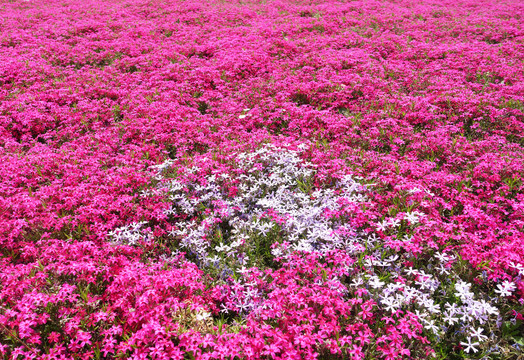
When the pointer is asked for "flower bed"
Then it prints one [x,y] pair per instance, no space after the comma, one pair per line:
[261,180]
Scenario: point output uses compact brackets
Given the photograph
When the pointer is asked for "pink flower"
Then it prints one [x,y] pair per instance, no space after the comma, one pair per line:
[53,337]
[83,338]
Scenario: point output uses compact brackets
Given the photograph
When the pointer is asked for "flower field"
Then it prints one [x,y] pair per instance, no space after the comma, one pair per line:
[261,179]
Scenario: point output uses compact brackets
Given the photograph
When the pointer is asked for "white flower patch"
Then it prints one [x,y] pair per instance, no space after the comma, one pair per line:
[131,234]
[271,182]
[272,179]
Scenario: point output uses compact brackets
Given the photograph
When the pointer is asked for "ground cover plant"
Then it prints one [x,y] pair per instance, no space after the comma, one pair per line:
[261,179]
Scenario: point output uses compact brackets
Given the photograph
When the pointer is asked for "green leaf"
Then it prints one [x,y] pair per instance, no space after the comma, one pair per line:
[519,340]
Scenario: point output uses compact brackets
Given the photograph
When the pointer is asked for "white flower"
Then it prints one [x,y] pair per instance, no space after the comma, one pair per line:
[466,317]
[506,288]
[276,252]
[441,257]
[425,283]
[488,309]
[478,334]
[236,243]
[392,258]
[264,229]
[381,226]
[518,267]
[430,325]
[410,293]
[407,238]
[394,223]
[429,192]
[369,262]
[372,238]
[390,304]
[452,308]
[449,318]
[476,309]
[463,289]
[414,190]
[442,270]
[251,292]
[222,248]
[470,346]
[412,217]
[203,316]
[431,306]
[421,315]
[356,282]
[411,271]
[242,270]
[243,305]
[375,282]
